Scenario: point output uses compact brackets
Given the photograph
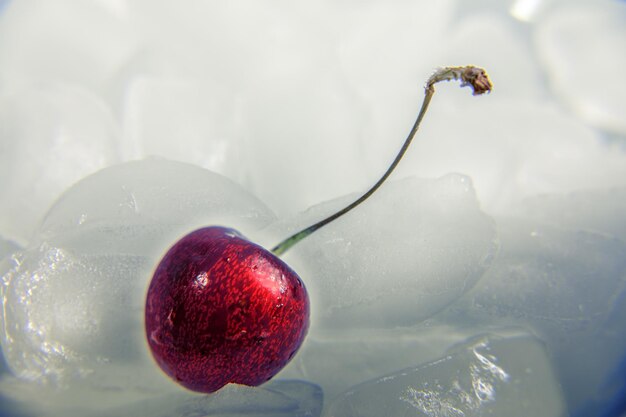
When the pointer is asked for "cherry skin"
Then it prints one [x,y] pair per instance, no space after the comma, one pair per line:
[222,309]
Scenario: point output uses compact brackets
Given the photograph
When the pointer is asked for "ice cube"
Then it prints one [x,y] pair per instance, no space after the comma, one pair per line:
[299,151]
[183,119]
[69,316]
[381,45]
[78,43]
[7,247]
[235,43]
[50,136]
[272,111]
[276,398]
[512,149]
[507,375]
[597,210]
[568,286]
[153,197]
[74,299]
[580,45]
[403,255]
[337,360]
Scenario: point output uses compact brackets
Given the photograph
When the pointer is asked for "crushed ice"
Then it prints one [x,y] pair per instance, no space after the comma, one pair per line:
[487,277]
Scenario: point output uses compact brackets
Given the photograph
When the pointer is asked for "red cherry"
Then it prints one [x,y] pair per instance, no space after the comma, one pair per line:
[221,309]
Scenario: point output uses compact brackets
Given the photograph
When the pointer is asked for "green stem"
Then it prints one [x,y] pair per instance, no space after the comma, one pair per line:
[286,244]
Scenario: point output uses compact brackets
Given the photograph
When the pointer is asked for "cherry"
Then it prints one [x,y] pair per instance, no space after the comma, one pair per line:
[222,309]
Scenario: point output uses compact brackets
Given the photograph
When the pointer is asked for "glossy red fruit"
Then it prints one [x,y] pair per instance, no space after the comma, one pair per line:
[221,309]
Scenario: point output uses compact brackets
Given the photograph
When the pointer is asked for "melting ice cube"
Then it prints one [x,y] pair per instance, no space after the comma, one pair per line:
[506,375]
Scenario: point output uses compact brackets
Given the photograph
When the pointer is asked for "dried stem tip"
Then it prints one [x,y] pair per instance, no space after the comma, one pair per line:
[475,77]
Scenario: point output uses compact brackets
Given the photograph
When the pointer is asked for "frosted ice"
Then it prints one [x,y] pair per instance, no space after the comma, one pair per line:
[376,44]
[234,43]
[74,298]
[298,152]
[409,251]
[581,46]
[79,43]
[277,398]
[7,247]
[69,316]
[182,119]
[599,210]
[170,103]
[512,149]
[301,102]
[365,354]
[491,375]
[243,102]
[159,197]
[566,285]
[50,136]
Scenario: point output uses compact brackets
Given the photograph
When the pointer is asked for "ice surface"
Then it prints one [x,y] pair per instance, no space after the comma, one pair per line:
[183,119]
[280,398]
[7,247]
[69,316]
[302,102]
[377,40]
[298,151]
[277,398]
[365,354]
[164,199]
[50,137]
[68,42]
[74,299]
[566,285]
[512,149]
[600,210]
[581,45]
[406,253]
[491,375]
[243,102]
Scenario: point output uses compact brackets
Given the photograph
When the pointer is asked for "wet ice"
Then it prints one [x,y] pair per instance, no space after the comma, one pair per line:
[598,210]
[575,43]
[277,398]
[554,154]
[272,88]
[412,249]
[490,375]
[52,136]
[366,354]
[7,247]
[568,287]
[79,44]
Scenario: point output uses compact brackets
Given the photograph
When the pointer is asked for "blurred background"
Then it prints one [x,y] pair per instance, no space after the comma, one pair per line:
[502,231]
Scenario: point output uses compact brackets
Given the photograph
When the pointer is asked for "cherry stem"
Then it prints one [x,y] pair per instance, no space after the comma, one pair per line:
[471,76]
